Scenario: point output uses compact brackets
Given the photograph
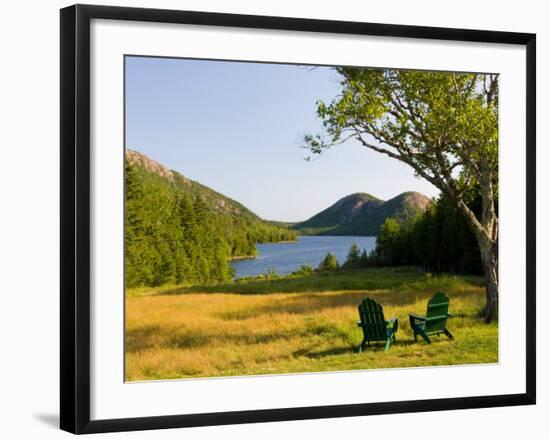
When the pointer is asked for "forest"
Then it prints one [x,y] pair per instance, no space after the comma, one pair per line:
[174,235]
[180,232]
[439,239]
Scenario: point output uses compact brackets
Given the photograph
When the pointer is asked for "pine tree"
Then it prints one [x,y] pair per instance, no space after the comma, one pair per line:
[353,258]
[329,263]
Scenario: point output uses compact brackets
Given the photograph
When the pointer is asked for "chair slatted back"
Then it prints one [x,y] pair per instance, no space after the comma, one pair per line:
[437,313]
[372,320]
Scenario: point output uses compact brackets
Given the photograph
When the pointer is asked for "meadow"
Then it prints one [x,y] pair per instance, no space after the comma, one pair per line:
[298,324]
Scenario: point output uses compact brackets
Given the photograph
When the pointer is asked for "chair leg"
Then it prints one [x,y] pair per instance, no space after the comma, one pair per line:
[448,334]
[425,337]
[416,331]
[362,345]
[388,343]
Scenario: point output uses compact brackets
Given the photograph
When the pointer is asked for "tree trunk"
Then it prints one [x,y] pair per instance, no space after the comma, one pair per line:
[489,261]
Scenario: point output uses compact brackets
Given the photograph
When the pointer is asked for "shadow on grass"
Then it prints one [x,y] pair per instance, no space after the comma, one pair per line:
[140,338]
[377,347]
[316,303]
[329,352]
[304,304]
[367,279]
[152,337]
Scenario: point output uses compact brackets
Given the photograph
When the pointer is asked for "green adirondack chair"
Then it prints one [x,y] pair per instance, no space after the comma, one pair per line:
[435,320]
[375,326]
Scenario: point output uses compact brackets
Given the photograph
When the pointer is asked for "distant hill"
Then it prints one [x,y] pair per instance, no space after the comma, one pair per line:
[362,214]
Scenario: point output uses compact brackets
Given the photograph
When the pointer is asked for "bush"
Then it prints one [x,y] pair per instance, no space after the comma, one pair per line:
[330,263]
[304,270]
[354,257]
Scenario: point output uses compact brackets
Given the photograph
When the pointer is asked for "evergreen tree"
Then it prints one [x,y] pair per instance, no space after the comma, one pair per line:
[439,240]
[175,236]
[329,263]
[389,240]
[354,257]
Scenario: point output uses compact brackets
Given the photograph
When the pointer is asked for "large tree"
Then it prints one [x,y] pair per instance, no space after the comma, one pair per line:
[443,125]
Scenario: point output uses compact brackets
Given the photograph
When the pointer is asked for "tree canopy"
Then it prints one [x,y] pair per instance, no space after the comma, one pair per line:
[173,236]
[442,124]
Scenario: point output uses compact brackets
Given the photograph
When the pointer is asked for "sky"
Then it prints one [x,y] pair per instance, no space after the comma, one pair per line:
[236,127]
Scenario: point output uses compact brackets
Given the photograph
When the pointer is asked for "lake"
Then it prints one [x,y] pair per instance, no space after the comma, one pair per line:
[285,258]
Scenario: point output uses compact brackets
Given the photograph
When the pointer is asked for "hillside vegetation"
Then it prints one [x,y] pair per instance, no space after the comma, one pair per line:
[362,214]
[179,231]
[439,240]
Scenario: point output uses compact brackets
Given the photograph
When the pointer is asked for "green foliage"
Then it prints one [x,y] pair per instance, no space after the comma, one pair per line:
[433,121]
[388,239]
[304,270]
[329,263]
[440,240]
[176,235]
[444,125]
[353,259]
[170,237]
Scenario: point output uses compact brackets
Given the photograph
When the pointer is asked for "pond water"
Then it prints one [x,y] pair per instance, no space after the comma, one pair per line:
[285,258]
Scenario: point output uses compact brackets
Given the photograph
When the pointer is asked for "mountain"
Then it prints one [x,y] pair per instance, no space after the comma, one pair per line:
[362,214]
[216,201]
[241,227]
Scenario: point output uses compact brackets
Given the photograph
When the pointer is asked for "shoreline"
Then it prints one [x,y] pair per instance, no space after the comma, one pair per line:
[241,258]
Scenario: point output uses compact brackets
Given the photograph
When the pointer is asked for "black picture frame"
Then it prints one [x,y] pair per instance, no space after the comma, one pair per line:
[75,217]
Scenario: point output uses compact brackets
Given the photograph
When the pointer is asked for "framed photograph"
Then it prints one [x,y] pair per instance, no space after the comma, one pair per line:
[273,218]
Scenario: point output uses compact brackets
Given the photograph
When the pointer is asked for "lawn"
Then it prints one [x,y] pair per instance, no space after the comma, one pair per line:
[301,324]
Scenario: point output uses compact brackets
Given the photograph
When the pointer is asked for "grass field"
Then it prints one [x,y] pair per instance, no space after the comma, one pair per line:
[302,324]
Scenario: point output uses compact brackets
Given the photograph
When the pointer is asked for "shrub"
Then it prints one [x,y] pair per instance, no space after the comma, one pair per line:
[330,263]
[304,270]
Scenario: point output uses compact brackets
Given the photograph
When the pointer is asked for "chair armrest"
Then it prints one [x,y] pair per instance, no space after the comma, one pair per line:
[417,316]
[392,323]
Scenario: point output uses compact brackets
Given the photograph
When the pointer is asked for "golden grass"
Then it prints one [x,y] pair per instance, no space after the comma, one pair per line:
[220,334]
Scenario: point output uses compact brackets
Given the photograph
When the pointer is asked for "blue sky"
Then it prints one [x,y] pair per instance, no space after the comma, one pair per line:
[237,127]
